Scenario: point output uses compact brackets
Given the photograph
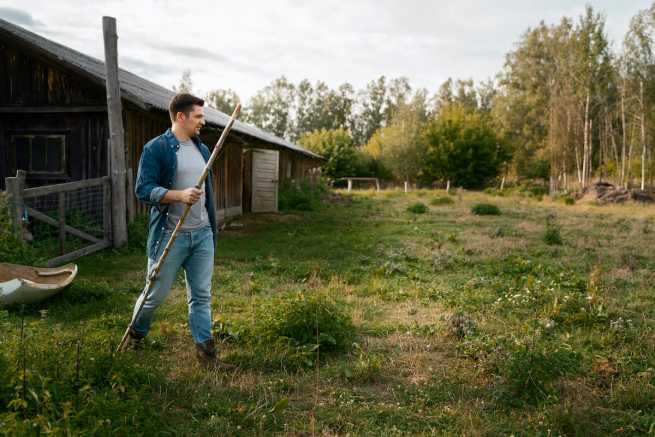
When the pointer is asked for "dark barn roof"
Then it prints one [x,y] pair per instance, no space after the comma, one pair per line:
[136,89]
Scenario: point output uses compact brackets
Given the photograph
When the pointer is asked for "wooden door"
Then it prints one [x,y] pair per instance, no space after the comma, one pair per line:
[265,165]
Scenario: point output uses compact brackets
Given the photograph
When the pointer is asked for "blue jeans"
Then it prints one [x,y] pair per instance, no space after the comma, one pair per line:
[193,251]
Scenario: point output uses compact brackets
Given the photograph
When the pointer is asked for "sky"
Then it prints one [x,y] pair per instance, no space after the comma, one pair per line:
[244,45]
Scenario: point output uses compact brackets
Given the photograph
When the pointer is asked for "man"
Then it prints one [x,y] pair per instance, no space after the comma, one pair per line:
[169,168]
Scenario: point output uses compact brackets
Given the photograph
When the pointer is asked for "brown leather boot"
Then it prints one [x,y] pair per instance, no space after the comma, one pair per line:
[208,356]
[134,341]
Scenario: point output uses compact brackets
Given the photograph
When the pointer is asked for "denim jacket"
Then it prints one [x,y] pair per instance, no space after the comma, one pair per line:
[156,175]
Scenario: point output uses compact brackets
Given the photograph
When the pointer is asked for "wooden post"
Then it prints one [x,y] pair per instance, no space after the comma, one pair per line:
[377,185]
[115,113]
[350,184]
[15,187]
[106,211]
[129,197]
[62,221]
[406,186]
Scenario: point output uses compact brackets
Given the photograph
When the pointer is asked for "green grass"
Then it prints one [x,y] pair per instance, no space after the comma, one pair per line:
[446,323]
[485,209]
[417,208]
[442,200]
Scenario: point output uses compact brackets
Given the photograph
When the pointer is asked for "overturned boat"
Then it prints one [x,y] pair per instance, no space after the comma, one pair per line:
[26,284]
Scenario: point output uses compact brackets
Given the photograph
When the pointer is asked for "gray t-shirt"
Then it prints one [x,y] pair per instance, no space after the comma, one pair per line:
[190,165]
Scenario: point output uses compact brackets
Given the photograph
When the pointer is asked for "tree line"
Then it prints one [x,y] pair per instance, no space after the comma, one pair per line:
[566,108]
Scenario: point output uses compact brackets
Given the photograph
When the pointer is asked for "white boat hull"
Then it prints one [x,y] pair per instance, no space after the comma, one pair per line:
[25,291]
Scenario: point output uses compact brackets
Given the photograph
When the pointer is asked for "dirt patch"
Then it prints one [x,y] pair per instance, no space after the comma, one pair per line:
[13,271]
[335,197]
[249,223]
[604,192]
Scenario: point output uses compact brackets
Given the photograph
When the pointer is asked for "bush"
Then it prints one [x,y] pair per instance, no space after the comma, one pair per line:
[529,374]
[338,148]
[443,200]
[568,200]
[462,146]
[552,235]
[485,209]
[534,191]
[304,320]
[12,249]
[417,208]
[300,196]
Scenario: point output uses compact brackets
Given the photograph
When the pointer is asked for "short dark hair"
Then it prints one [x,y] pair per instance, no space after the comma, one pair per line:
[183,102]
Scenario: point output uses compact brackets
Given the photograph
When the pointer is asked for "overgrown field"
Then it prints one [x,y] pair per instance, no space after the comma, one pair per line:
[373,314]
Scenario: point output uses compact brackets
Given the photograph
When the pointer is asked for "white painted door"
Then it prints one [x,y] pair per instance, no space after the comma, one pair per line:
[265,165]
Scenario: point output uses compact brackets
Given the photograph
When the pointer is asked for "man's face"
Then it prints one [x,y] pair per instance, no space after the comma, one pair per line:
[191,124]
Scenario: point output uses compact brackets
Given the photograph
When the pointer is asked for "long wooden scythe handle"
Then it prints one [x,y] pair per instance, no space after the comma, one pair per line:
[152,276]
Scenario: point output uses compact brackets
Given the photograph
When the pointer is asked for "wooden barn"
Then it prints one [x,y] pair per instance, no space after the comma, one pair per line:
[54,125]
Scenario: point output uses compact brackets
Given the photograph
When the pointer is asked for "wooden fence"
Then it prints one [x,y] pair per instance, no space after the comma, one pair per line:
[89,200]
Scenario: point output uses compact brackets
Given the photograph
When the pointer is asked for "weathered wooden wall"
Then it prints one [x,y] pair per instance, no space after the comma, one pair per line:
[295,166]
[140,127]
[246,176]
[40,95]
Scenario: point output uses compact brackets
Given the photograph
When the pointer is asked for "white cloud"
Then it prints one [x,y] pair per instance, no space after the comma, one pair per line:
[245,45]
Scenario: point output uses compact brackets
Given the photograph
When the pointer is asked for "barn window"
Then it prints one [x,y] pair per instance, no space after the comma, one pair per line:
[289,169]
[38,153]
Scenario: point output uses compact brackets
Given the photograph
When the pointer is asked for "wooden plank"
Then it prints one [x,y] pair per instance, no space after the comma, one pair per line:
[116,132]
[130,196]
[78,253]
[106,210]
[15,190]
[62,222]
[67,186]
[50,109]
[49,220]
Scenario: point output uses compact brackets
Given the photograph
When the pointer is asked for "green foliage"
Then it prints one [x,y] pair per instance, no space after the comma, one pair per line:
[224,100]
[531,115]
[485,209]
[529,374]
[569,200]
[290,330]
[12,249]
[534,191]
[535,168]
[47,387]
[300,196]
[337,147]
[552,235]
[398,145]
[305,320]
[462,147]
[442,200]
[270,108]
[137,231]
[417,208]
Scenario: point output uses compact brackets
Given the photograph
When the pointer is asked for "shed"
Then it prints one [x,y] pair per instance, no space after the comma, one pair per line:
[54,125]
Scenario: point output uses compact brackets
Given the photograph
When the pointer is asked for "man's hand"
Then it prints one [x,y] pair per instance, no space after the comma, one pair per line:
[189,196]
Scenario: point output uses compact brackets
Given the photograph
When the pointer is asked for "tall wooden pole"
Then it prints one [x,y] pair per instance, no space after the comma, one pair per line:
[116,138]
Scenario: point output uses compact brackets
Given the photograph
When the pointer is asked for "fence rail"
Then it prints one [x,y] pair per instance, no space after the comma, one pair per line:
[81,209]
